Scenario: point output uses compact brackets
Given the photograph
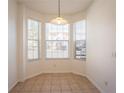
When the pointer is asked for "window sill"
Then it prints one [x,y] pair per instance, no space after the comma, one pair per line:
[57,58]
[83,59]
[32,60]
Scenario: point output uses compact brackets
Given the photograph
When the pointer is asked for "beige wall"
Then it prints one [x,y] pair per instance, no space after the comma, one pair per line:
[101,40]
[12,63]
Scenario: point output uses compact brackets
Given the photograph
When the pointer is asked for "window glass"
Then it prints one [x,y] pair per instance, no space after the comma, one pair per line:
[80,39]
[57,39]
[33,29]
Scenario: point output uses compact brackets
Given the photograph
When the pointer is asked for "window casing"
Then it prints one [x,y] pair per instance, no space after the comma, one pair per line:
[33,39]
[57,41]
[80,39]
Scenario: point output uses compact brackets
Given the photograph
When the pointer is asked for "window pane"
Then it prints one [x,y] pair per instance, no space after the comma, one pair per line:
[33,35]
[33,29]
[57,32]
[80,39]
[33,39]
[33,43]
[30,54]
[80,48]
[80,30]
[57,38]
[36,52]
[57,49]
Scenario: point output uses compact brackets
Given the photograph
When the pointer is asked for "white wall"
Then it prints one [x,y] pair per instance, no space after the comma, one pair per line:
[101,40]
[12,63]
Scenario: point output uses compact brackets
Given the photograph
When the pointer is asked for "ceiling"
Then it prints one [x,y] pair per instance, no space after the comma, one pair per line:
[51,6]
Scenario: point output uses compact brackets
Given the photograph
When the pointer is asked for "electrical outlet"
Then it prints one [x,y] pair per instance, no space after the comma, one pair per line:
[106,83]
[113,54]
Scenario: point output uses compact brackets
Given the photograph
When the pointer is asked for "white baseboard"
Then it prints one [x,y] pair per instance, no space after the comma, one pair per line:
[28,77]
[32,75]
[56,72]
[78,73]
[53,72]
[9,89]
[95,84]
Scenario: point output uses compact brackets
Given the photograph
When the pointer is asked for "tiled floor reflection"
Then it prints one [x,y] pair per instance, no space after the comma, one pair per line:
[56,83]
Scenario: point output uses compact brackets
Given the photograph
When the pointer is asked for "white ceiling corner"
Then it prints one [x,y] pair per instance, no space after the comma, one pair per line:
[50,6]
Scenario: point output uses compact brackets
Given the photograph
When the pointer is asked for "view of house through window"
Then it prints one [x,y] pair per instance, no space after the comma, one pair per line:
[57,41]
[80,39]
[33,32]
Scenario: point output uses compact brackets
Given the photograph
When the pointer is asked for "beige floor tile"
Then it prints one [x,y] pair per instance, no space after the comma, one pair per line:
[56,91]
[77,91]
[45,91]
[56,83]
[55,87]
[67,91]
[36,88]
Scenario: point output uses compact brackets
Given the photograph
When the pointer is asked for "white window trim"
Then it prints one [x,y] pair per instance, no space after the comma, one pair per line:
[39,40]
[68,58]
[74,41]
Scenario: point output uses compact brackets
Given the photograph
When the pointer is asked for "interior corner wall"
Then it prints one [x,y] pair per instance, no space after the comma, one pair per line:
[101,45]
[12,28]
[21,42]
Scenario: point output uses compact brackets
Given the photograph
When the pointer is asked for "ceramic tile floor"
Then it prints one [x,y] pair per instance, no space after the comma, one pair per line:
[56,83]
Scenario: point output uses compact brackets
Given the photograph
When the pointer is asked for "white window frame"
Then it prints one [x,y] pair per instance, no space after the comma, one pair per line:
[74,39]
[39,39]
[58,40]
